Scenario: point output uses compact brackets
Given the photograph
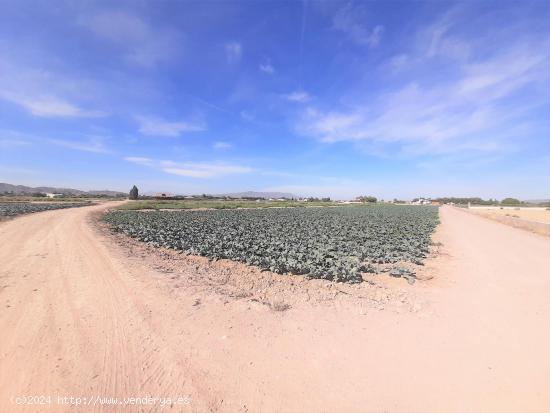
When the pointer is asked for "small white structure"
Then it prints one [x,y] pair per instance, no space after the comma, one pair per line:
[51,195]
[422,201]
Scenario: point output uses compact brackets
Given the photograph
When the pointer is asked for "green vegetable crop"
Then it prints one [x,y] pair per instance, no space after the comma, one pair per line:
[332,243]
[10,209]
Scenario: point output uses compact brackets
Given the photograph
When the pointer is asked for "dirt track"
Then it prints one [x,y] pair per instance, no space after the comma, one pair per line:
[78,320]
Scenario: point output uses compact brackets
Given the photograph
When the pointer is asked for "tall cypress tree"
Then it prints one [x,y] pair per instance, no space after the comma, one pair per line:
[134,193]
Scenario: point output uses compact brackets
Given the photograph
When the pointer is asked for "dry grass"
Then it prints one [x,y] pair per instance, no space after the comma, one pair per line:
[529,214]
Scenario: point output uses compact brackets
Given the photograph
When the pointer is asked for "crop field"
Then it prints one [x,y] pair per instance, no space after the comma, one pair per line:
[218,204]
[337,243]
[11,209]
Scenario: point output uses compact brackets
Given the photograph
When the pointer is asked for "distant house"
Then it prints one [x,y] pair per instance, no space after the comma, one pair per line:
[421,201]
[51,195]
[163,195]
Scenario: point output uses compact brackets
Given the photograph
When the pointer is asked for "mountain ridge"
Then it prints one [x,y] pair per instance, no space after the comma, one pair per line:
[23,189]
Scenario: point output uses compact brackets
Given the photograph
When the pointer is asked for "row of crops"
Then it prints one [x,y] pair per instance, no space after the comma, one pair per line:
[337,243]
[11,209]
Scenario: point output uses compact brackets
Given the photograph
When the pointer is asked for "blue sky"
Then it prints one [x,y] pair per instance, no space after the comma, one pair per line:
[394,99]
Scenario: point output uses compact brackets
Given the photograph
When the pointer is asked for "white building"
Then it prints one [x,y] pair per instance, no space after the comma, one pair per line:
[422,201]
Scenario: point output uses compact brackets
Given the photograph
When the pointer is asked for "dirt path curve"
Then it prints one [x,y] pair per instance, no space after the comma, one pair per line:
[79,320]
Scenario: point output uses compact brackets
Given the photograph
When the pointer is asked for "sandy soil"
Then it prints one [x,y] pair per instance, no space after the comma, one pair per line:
[536,220]
[84,316]
[541,215]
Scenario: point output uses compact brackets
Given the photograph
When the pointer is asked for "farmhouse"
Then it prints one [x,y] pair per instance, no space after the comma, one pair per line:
[421,201]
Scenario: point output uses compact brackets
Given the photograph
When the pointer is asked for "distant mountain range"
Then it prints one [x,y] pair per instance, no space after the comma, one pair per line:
[539,201]
[22,189]
[253,194]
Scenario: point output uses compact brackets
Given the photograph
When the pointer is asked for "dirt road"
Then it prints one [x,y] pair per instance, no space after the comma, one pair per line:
[79,320]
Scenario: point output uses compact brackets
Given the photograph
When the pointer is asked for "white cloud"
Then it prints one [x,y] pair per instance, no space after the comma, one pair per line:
[473,110]
[154,126]
[49,106]
[439,40]
[41,92]
[140,160]
[399,62]
[11,142]
[233,52]
[435,41]
[267,68]
[246,115]
[501,75]
[143,44]
[195,170]
[298,96]
[350,20]
[11,139]
[94,145]
[192,169]
[221,145]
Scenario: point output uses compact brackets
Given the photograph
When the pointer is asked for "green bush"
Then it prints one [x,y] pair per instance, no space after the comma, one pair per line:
[510,201]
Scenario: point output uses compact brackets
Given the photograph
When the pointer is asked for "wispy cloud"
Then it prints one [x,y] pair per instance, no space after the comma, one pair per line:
[192,169]
[248,116]
[198,170]
[350,20]
[41,92]
[154,126]
[298,96]
[439,40]
[221,145]
[13,139]
[399,62]
[142,43]
[140,160]
[49,106]
[233,52]
[470,109]
[94,145]
[301,40]
[267,68]
[12,142]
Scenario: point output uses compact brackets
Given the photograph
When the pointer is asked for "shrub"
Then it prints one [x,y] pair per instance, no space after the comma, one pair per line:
[510,201]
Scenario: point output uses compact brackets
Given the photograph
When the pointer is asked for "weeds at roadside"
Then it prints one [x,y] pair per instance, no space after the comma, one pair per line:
[279,306]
